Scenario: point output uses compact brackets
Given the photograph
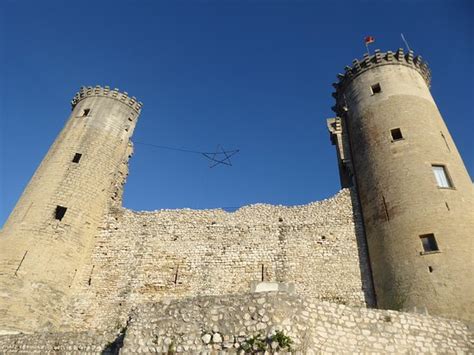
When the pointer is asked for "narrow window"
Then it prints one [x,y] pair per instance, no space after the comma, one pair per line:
[90,276]
[176,275]
[60,212]
[387,216]
[376,89]
[396,134]
[429,243]
[76,158]
[86,112]
[442,177]
[430,268]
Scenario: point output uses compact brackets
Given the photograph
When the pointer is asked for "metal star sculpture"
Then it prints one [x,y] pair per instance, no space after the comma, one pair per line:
[220,156]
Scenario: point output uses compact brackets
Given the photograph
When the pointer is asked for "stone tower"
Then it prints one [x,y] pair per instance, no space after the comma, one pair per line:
[416,196]
[50,232]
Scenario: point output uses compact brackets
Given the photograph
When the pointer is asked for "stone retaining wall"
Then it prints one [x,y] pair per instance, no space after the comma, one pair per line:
[270,321]
[206,324]
[62,343]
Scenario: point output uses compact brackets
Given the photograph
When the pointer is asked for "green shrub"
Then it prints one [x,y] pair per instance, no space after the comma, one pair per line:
[284,341]
[260,343]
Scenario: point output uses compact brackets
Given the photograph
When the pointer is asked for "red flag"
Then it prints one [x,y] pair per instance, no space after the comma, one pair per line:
[369,39]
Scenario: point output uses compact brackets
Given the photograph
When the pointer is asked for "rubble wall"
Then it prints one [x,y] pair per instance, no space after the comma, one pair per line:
[144,257]
[275,322]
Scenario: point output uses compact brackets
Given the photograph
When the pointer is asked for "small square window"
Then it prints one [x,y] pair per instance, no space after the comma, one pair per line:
[76,158]
[86,112]
[376,89]
[429,243]
[60,212]
[442,178]
[396,134]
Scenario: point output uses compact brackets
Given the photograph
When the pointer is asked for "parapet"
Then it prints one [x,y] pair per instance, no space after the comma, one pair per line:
[106,92]
[376,60]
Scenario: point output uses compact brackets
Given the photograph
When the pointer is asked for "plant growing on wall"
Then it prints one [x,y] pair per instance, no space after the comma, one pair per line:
[254,344]
[259,343]
[284,341]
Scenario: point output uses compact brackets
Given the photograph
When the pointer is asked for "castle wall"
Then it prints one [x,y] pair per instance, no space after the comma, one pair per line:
[210,324]
[400,197]
[150,256]
[41,252]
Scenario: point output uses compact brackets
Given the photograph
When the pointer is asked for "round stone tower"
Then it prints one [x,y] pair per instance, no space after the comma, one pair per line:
[51,229]
[416,195]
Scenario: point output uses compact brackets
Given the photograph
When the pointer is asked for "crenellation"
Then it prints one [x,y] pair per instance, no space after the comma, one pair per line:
[399,54]
[356,65]
[389,56]
[378,56]
[106,92]
[409,57]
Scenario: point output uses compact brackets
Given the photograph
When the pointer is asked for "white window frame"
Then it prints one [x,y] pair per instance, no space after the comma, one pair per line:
[442,177]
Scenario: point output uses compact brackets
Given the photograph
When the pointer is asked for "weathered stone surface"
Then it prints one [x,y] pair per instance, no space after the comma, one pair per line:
[400,197]
[158,327]
[216,338]
[144,257]
[41,253]
[107,278]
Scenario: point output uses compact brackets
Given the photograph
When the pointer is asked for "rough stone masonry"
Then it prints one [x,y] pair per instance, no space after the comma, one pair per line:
[178,281]
[270,323]
[81,274]
[142,257]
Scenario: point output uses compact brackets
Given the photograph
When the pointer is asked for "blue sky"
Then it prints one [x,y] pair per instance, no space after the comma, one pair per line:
[249,75]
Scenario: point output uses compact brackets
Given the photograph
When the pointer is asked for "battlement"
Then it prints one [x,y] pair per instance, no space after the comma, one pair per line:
[106,92]
[376,60]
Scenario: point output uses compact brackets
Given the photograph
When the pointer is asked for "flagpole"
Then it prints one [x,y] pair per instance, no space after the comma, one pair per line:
[368,40]
[404,40]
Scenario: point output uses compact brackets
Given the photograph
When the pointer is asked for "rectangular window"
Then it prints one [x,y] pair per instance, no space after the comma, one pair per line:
[76,158]
[86,112]
[396,134]
[442,177]
[60,212]
[429,243]
[376,89]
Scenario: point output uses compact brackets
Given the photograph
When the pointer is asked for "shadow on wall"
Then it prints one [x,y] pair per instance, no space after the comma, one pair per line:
[362,249]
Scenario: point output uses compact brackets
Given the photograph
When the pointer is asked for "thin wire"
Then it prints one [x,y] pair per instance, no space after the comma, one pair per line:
[186,150]
[172,148]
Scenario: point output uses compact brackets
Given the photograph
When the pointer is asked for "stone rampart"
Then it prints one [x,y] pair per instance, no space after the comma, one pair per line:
[144,257]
